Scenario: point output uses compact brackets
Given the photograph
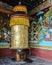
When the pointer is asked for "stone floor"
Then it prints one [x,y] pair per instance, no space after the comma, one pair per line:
[36,61]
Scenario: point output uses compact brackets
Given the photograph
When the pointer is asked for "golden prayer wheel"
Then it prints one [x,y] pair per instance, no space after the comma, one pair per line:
[19,24]
[19,28]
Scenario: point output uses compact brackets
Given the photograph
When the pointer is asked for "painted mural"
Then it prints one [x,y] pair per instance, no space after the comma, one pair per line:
[5,35]
[44,29]
[33,33]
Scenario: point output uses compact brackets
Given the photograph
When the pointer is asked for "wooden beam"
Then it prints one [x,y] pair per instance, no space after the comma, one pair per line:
[5,11]
[5,8]
[42,6]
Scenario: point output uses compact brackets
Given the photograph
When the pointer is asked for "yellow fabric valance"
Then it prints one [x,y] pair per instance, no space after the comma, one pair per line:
[19,21]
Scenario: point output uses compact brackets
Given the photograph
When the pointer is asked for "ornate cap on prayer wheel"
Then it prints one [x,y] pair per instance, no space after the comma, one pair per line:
[20,8]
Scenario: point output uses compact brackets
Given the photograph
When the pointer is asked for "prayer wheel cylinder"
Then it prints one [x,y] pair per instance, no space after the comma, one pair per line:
[19,36]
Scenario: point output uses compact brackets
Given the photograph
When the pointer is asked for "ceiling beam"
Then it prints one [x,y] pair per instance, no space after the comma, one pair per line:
[42,6]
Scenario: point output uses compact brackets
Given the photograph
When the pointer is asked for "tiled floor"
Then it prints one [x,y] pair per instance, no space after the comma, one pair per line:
[36,61]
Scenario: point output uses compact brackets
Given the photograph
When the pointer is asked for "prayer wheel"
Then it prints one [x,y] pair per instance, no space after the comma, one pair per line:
[19,24]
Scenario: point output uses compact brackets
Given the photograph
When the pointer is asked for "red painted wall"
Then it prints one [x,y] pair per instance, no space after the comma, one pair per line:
[9,52]
[46,54]
[6,52]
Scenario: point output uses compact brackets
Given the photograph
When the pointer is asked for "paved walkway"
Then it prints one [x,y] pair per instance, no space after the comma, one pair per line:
[36,61]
